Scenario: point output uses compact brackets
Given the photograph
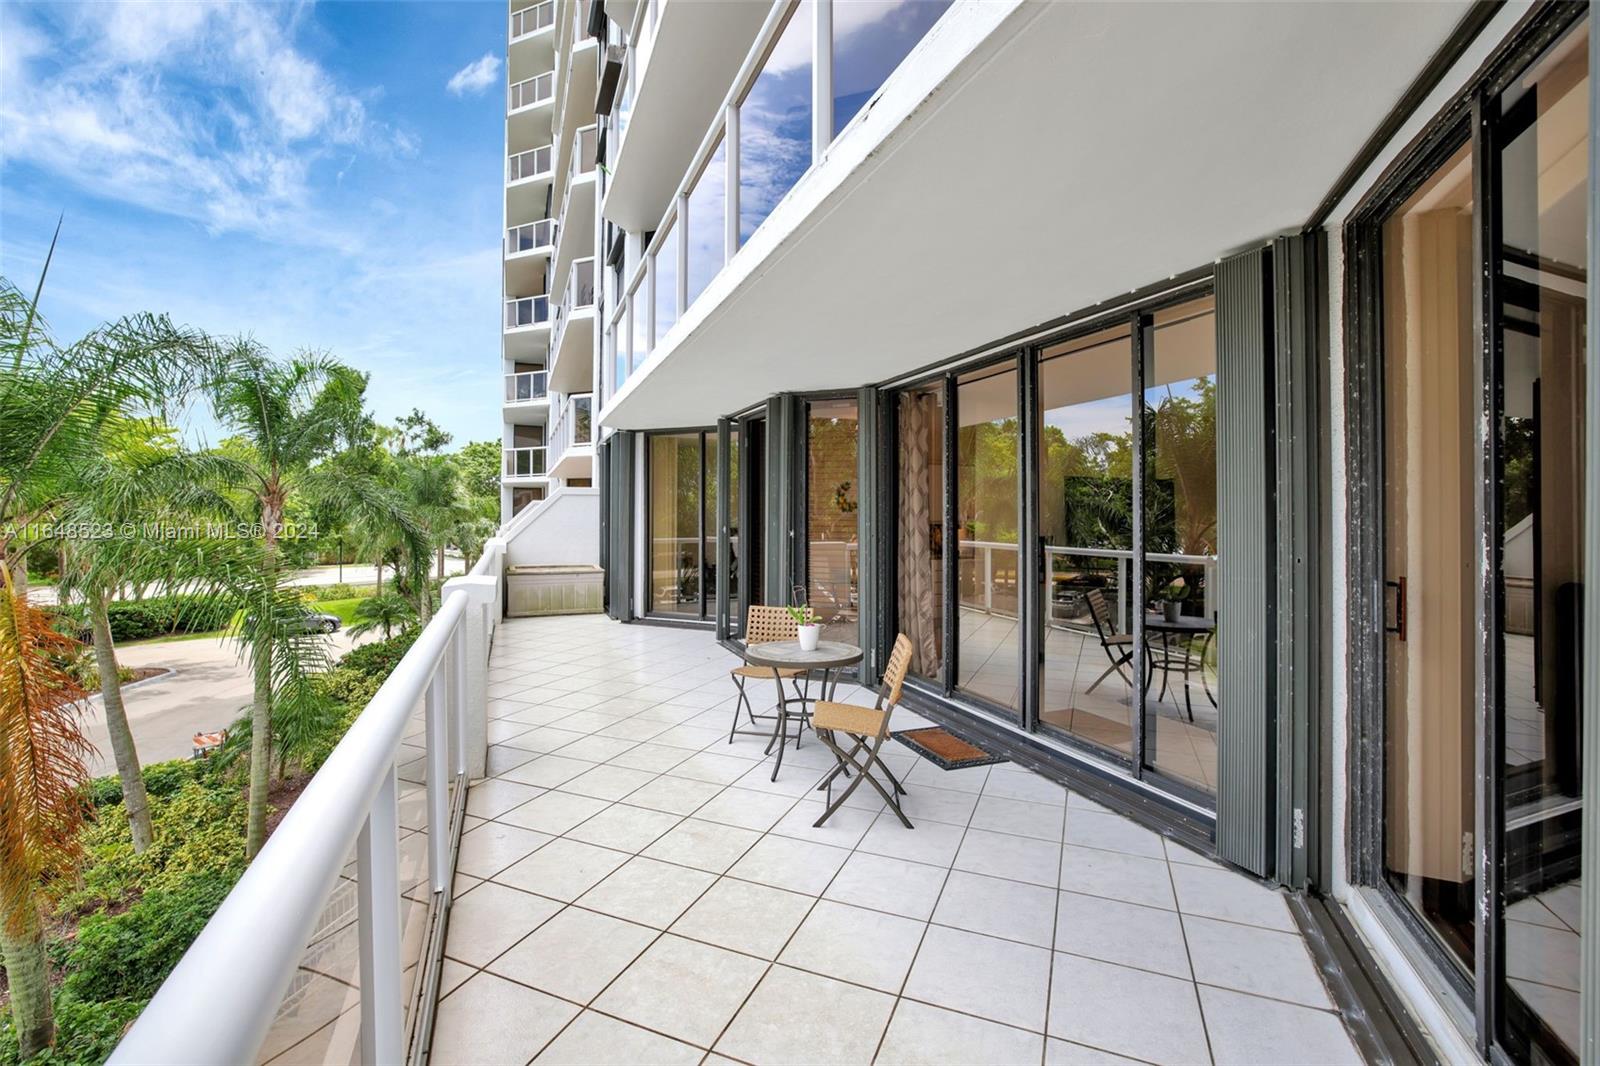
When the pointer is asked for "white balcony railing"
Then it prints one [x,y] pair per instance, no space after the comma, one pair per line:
[528,386]
[573,427]
[531,235]
[527,311]
[254,971]
[524,462]
[579,296]
[533,19]
[539,89]
[534,163]
[584,143]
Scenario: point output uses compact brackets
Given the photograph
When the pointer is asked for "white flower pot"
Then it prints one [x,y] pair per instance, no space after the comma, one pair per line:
[809,635]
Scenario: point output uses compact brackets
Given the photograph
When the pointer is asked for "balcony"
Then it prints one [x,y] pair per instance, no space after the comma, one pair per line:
[527,328]
[572,341]
[528,249]
[575,238]
[532,92]
[528,177]
[526,395]
[572,438]
[532,44]
[693,907]
[523,464]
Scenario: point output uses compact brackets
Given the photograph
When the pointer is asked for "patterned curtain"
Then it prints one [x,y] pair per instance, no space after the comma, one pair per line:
[919,616]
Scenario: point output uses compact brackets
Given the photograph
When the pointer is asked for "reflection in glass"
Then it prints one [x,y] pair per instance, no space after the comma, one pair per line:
[707,223]
[987,520]
[639,319]
[1544,126]
[735,608]
[870,38]
[708,519]
[920,566]
[832,556]
[1086,519]
[665,262]
[675,555]
[1428,407]
[1180,542]
[775,122]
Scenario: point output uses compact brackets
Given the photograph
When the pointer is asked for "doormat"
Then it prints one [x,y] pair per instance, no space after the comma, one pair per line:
[944,749]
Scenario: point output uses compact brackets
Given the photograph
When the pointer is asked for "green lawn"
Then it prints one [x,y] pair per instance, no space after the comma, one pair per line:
[344,609]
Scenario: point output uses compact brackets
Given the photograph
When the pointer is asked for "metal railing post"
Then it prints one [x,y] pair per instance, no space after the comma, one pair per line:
[988,580]
[437,704]
[378,896]
[481,591]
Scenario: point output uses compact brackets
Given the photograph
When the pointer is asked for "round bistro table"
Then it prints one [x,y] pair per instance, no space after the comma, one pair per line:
[1176,656]
[829,656]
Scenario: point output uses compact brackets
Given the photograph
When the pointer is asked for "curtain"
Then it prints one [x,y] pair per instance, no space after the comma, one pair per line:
[919,615]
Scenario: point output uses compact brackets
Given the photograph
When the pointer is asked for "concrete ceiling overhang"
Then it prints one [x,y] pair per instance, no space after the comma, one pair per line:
[697,50]
[1074,153]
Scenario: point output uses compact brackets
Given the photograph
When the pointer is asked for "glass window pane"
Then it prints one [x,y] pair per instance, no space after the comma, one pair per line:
[1180,542]
[921,527]
[675,557]
[708,511]
[832,555]
[870,38]
[987,519]
[1429,534]
[1544,127]
[1086,519]
[707,222]
[639,315]
[666,271]
[775,123]
[735,611]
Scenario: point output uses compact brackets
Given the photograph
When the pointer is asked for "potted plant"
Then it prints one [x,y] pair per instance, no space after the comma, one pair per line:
[1172,598]
[808,629]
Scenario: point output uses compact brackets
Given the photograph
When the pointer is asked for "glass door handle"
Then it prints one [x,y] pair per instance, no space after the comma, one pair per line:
[1399,627]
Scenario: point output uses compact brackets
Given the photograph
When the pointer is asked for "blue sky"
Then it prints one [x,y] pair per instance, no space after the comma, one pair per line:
[320,176]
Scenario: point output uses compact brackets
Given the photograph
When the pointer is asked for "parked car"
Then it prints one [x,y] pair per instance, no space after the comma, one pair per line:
[317,622]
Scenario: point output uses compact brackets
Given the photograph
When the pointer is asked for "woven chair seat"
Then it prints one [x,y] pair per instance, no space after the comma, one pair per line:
[848,718]
[766,671]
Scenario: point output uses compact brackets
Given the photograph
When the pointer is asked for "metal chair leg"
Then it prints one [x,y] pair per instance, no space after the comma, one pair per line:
[863,773]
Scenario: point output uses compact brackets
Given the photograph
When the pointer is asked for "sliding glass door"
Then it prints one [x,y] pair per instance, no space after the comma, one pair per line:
[832,518]
[681,508]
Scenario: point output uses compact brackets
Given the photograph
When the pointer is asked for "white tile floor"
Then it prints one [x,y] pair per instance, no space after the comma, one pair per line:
[648,894]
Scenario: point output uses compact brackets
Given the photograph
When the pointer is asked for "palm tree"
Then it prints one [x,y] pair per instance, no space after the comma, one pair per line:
[54,402]
[432,488]
[289,419]
[382,612]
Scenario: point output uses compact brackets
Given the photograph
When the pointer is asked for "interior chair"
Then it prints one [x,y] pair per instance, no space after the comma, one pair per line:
[867,728]
[1118,646]
[765,624]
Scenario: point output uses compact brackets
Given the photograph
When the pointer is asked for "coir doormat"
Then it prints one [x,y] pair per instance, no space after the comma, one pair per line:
[944,749]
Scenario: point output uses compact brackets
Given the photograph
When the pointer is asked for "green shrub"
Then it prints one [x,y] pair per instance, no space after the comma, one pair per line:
[379,658]
[128,955]
[340,591]
[157,616]
[86,1033]
[160,779]
[197,829]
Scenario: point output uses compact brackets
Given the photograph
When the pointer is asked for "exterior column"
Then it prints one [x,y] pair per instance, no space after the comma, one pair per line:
[477,624]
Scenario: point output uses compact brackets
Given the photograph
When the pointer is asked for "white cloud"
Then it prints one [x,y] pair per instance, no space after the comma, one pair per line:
[204,110]
[475,76]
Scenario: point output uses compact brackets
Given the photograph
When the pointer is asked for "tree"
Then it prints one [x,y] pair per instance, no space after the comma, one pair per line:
[479,464]
[54,401]
[382,612]
[418,434]
[291,417]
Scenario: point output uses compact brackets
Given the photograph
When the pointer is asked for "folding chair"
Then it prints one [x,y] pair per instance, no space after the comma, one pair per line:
[1118,646]
[765,625]
[867,728]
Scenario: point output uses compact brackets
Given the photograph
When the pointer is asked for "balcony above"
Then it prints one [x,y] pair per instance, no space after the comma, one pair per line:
[528,250]
[528,176]
[530,111]
[527,327]
[532,40]
[527,398]
[575,238]
[572,439]
[697,51]
[523,466]
[572,341]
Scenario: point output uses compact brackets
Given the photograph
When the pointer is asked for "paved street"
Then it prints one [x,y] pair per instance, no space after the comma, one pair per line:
[350,574]
[209,688]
